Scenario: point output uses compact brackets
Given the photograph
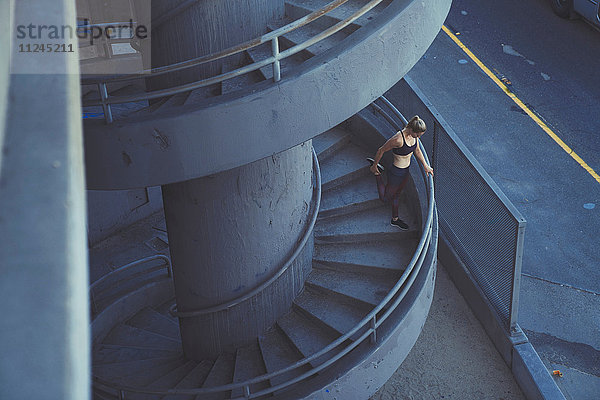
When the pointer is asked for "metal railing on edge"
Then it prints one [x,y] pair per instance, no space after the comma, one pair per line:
[106,100]
[391,301]
[479,222]
[123,268]
[307,233]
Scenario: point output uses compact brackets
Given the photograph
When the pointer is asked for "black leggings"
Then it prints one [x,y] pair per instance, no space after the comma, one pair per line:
[396,180]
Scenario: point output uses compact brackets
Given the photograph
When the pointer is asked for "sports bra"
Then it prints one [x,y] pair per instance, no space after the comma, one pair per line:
[404,150]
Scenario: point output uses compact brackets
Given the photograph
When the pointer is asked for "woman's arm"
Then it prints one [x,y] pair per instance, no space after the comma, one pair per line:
[388,145]
[419,156]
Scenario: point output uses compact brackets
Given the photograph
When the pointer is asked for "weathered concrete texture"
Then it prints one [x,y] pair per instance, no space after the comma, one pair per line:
[111,211]
[541,316]
[206,27]
[532,375]
[266,118]
[586,386]
[203,28]
[44,328]
[453,358]
[229,233]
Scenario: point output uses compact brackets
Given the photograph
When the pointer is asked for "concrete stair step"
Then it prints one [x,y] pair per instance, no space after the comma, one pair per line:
[173,101]
[127,90]
[305,33]
[242,81]
[337,312]
[149,109]
[307,336]
[248,364]
[359,194]
[366,287]
[100,394]
[194,379]
[165,382]
[221,373]
[203,93]
[296,9]
[278,352]
[153,321]
[264,51]
[164,308]
[347,164]
[137,373]
[355,268]
[108,296]
[108,354]
[126,335]
[385,254]
[130,273]
[371,221]
[328,142]
[345,10]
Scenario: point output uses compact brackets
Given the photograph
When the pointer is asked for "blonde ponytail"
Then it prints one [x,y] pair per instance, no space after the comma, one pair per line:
[416,124]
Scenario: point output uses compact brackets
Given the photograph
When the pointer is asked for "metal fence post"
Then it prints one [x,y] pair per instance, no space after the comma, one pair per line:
[105,105]
[374,327]
[516,283]
[276,65]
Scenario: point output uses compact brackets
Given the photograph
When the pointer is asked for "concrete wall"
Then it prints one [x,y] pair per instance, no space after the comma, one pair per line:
[44,329]
[5,45]
[111,211]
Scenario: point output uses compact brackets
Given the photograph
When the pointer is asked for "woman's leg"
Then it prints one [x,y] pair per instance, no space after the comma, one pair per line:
[396,197]
[386,192]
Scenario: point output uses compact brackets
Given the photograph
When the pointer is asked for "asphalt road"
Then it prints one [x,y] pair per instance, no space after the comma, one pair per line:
[551,65]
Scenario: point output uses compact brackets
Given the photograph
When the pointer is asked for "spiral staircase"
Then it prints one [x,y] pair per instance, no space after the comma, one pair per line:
[366,299]
[359,259]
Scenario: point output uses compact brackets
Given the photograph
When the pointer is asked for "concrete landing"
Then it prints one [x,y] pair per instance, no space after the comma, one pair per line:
[453,357]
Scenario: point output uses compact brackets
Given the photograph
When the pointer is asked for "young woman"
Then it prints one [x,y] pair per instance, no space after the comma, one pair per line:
[403,144]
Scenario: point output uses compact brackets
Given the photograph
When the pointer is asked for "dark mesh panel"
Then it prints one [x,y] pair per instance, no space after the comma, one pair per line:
[483,230]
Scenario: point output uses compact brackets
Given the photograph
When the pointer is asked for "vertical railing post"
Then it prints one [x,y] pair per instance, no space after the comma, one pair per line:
[276,65]
[121,395]
[374,328]
[105,105]
[246,392]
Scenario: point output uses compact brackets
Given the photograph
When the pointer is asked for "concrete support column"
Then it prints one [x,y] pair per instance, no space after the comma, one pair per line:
[228,234]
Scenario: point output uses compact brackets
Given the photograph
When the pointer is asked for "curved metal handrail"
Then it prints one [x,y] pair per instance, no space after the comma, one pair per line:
[238,48]
[399,290]
[125,267]
[278,273]
[106,100]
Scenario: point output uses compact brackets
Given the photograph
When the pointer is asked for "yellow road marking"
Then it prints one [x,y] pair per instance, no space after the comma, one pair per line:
[522,105]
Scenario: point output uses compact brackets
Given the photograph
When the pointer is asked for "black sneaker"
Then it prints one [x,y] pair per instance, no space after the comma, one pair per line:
[400,224]
[379,166]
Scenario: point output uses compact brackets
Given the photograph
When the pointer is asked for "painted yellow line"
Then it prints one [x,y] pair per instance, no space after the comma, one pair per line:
[522,105]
